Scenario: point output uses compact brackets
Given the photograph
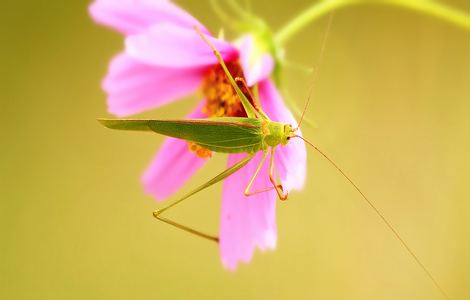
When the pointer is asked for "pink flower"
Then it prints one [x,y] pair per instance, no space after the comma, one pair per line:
[164,60]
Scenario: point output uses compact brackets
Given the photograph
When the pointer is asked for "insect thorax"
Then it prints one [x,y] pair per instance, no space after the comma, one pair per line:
[276,133]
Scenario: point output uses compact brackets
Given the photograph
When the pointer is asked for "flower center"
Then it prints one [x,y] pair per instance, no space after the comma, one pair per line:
[222,99]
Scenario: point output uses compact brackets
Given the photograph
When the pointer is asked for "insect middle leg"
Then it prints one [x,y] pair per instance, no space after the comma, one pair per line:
[260,165]
[276,186]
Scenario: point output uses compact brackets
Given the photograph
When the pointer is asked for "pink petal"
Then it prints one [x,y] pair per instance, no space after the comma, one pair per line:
[246,222]
[172,46]
[290,160]
[133,86]
[173,165]
[134,16]
[250,222]
[256,67]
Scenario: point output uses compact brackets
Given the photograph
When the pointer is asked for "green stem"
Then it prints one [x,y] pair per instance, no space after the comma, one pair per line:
[319,9]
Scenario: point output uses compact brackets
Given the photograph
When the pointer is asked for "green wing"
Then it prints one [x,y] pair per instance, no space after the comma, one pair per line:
[230,135]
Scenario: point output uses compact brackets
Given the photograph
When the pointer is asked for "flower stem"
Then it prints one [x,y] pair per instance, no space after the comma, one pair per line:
[319,9]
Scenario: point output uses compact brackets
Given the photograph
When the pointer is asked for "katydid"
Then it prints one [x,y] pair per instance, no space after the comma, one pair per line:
[249,135]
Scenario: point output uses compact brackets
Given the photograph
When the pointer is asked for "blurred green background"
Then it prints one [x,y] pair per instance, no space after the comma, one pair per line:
[392,105]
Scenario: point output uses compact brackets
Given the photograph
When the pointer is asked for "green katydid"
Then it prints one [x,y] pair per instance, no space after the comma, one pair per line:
[250,134]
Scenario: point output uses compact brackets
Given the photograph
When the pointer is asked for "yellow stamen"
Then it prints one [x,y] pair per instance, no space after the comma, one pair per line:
[222,99]
[199,150]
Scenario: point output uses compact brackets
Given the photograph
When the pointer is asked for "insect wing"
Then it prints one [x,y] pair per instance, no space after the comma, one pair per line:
[218,134]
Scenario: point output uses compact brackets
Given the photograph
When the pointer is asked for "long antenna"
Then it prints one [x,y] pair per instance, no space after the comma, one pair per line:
[317,69]
[379,213]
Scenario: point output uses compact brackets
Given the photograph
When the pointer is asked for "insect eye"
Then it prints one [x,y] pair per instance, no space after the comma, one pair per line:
[288,138]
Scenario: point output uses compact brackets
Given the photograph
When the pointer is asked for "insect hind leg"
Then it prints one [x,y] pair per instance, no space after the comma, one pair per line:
[227,172]
[157,215]
[253,100]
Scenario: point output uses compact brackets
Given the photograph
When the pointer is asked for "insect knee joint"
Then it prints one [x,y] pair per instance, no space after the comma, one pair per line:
[156,213]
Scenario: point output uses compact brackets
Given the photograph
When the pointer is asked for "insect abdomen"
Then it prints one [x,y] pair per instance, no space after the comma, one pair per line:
[237,149]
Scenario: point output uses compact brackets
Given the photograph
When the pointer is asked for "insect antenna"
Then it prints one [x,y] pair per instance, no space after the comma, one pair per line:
[317,69]
[381,215]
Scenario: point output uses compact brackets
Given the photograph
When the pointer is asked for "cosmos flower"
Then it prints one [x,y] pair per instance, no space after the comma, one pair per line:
[164,60]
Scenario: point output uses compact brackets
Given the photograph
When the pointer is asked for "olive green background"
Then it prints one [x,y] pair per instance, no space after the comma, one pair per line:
[392,107]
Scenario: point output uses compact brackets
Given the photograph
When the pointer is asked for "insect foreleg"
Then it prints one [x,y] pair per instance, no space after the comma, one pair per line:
[157,213]
[279,189]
